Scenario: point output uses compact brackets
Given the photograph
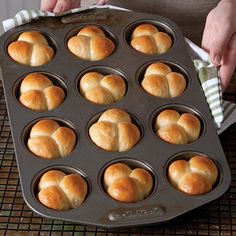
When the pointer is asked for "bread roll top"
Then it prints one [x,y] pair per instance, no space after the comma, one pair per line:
[114,131]
[91,44]
[50,140]
[159,80]
[146,38]
[176,128]
[196,176]
[125,184]
[31,49]
[60,191]
[102,89]
[37,92]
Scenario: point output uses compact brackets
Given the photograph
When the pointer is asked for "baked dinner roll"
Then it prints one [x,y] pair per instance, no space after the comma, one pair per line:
[146,38]
[160,81]
[127,185]
[114,131]
[196,176]
[31,49]
[50,140]
[177,128]
[60,191]
[101,89]
[37,92]
[91,44]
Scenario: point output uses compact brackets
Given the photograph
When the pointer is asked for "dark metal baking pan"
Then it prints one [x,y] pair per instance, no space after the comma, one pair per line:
[164,203]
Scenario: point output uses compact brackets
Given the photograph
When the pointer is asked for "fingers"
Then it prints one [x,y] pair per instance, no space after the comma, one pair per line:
[61,6]
[75,4]
[58,6]
[219,44]
[219,28]
[48,5]
[216,36]
[225,76]
[208,32]
[228,63]
[102,2]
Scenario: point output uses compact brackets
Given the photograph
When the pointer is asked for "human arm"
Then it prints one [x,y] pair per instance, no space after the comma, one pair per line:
[58,6]
[219,38]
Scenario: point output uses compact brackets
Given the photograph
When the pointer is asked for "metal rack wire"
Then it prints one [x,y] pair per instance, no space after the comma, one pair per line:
[215,218]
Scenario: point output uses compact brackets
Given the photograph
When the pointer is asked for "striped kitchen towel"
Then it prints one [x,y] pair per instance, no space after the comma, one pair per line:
[25,16]
[223,112]
[208,75]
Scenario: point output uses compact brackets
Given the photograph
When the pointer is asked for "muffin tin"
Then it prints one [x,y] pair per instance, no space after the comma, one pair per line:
[164,203]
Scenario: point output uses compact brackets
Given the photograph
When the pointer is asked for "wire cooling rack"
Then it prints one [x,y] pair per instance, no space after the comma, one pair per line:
[215,218]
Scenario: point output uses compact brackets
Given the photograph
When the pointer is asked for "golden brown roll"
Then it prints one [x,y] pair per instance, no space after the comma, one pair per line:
[196,176]
[101,89]
[31,49]
[37,92]
[160,81]
[60,191]
[177,128]
[91,44]
[114,131]
[146,38]
[127,185]
[50,140]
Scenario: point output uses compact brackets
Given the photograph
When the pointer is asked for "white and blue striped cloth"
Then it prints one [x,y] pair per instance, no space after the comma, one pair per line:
[223,112]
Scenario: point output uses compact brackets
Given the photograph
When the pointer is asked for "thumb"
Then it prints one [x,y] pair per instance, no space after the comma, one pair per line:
[228,62]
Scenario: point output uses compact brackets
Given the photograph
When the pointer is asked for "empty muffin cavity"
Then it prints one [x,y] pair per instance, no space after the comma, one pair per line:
[102,85]
[31,48]
[61,188]
[115,130]
[91,42]
[162,79]
[193,173]
[178,124]
[50,138]
[127,180]
[149,37]
[40,91]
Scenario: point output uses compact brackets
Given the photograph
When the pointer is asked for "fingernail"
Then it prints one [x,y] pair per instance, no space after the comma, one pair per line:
[218,59]
[59,8]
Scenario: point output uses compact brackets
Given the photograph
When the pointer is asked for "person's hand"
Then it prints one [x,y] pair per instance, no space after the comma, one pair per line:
[219,38]
[58,6]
